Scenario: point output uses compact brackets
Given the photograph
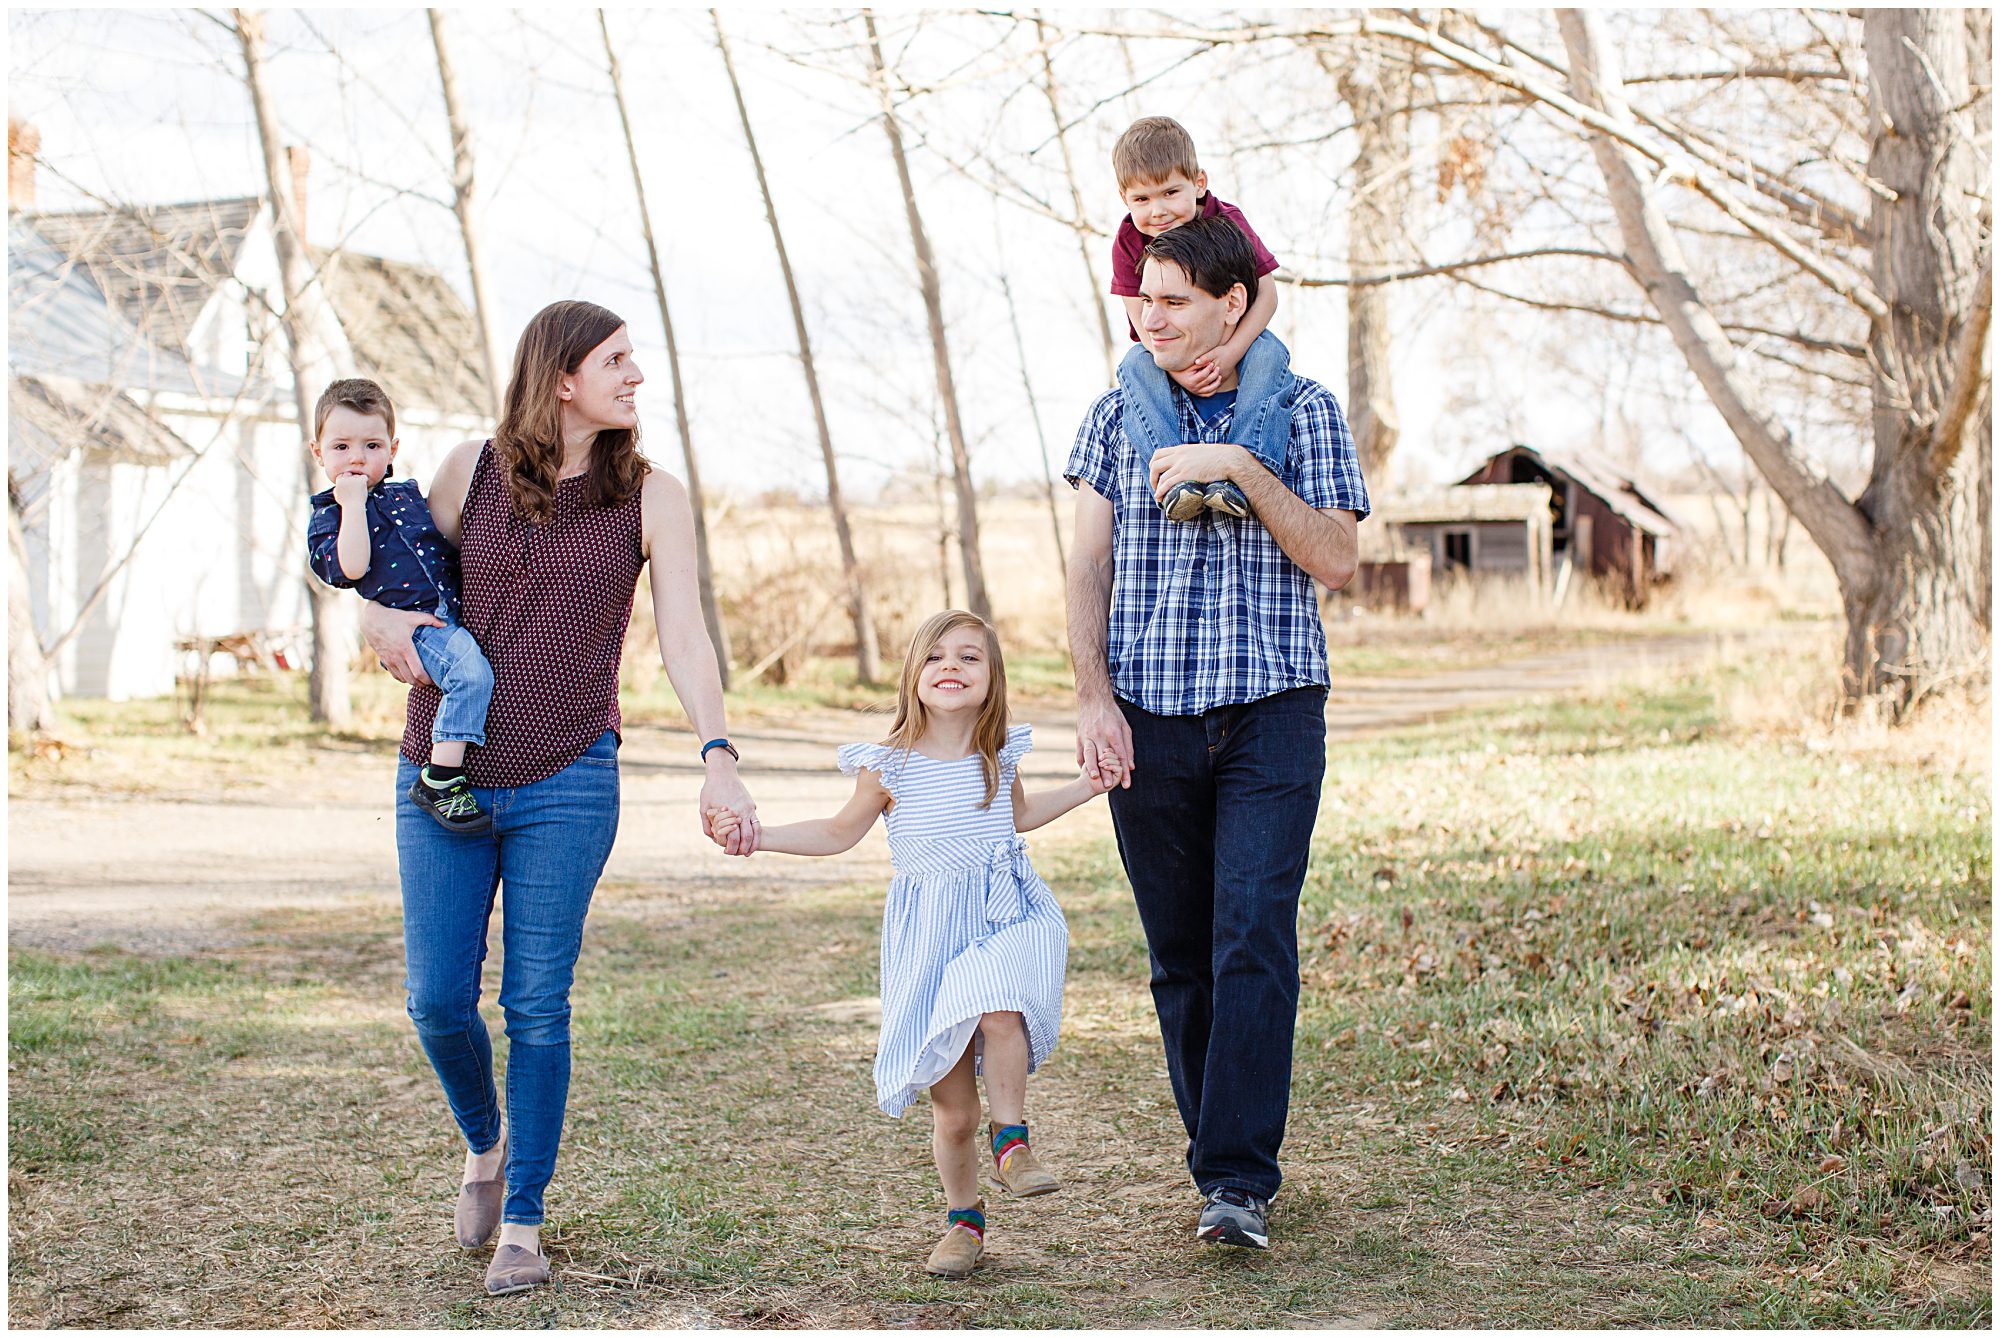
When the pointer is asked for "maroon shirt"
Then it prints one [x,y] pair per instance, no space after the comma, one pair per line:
[1128,251]
[549,605]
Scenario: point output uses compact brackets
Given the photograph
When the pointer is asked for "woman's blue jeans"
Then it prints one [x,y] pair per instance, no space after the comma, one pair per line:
[548,845]
[1261,422]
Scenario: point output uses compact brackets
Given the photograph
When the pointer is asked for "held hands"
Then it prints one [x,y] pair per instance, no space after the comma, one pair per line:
[722,826]
[729,815]
[1111,773]
[1104,746]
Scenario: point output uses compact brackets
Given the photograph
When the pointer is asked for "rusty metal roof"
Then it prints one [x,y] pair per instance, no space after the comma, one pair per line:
[1599,477]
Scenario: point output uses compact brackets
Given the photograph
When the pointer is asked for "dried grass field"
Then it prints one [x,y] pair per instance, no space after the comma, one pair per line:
[1639,998]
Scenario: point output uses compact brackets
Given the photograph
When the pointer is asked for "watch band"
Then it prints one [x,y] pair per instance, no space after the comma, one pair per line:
[723,744]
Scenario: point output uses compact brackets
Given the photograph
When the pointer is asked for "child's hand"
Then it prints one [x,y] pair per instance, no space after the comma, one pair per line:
[1110,772]
[722,824]
[1205,374]
[351,489]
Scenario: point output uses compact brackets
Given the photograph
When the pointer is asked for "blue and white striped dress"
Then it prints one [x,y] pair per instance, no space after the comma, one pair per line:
[969,927]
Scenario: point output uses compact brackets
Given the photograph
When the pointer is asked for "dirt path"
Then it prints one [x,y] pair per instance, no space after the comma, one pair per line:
[169,875]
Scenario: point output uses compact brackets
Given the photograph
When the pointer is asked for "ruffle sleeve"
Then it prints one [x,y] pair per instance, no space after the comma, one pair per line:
[1020,739]
[855,758]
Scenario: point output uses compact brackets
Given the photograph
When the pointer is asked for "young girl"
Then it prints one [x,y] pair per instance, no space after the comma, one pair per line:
[973,943]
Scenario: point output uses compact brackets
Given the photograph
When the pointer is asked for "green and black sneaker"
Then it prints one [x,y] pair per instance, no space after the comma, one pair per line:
[451,803]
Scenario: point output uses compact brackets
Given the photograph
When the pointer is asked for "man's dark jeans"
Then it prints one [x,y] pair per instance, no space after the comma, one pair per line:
[1214,834]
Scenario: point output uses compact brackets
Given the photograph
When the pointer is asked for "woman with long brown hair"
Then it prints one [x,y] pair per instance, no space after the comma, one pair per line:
[554,517]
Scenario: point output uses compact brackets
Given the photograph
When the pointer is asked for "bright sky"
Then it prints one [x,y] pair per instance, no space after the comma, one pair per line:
[149,106]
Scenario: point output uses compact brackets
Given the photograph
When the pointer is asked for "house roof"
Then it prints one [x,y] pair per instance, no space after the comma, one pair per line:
[1604,480]
[408,330]
[1463,503]
[49,416]
[60,323]
[158,264]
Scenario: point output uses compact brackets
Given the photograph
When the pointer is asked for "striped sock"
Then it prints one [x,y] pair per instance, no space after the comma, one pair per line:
[1006,1140]
[972,1219]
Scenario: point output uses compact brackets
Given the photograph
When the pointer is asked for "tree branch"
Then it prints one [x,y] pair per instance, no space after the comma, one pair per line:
[1968,375]
[1641,318]
[1834,522]
[1451,267]
[1675,164]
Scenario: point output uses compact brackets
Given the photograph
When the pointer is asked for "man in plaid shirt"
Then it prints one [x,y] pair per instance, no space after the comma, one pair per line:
[1201,681]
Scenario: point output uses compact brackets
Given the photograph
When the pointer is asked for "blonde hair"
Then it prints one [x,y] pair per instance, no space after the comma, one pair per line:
[989,732]
[1152,149]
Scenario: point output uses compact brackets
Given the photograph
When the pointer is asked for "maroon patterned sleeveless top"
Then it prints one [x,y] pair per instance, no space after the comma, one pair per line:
[549,605]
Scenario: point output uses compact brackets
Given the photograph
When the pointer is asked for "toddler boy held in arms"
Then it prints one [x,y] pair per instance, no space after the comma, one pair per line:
[376,535]
[1249,376]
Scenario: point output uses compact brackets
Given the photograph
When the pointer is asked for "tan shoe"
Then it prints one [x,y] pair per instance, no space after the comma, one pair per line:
[516,1270]
[958,1253]
[1023,1173]
[478,1214]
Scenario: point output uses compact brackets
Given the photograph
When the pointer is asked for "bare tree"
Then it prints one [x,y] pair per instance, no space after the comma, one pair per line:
[927,279]
[1034,409]
[866,651]
[461,205]
[28,709]
[311,364]
[711,612]
[1082,229]
[1908,551]
[1378,91]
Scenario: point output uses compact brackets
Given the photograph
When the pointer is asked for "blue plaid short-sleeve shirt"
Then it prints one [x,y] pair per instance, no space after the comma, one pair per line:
[1213,613]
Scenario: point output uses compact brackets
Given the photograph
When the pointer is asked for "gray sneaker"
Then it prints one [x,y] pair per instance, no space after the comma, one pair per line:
[1232,1217]
[1226,497]
[1184,502]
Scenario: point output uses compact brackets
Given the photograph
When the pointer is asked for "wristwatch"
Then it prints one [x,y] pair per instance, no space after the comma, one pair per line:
[723,744]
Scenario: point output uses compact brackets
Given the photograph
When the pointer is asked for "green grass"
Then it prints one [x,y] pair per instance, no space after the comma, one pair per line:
[1616,1012]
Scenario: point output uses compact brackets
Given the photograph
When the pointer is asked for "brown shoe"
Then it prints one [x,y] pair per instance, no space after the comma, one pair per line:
[516,1270]
[479,1204]
[958,1253]
[1023,1173]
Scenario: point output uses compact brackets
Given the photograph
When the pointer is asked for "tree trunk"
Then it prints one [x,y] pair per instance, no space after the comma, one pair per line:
[943,514]
[867,655]
[927,279]
[704,572]
[461,205]
[28,709]
[1918,615]
[1097,294]
[1907,555]
[311,365]
[1378,93]
[1034,410]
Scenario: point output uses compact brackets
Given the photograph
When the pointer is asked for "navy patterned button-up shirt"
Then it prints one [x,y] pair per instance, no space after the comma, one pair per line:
[1212,613]
[410,566]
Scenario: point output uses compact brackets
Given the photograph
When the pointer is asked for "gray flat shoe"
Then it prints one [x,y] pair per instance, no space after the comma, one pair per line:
[478,1214]
[516,1270]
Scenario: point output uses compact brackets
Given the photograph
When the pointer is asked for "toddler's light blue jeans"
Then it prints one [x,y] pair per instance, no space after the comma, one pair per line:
[1261,422]
[456,664]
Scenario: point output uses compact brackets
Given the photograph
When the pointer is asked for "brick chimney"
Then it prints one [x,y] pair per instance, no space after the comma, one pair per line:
[300,163]
[23,143]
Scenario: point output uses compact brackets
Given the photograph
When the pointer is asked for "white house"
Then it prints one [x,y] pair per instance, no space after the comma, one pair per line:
[152,444]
